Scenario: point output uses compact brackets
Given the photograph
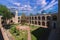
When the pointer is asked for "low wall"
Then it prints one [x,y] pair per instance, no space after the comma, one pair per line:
[4,34]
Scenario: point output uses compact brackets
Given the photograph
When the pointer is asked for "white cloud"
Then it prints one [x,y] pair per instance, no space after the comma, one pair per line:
[14,2]
[50,6]
[52,3]
[35,7]
[17,4]
[21,6]
[25,7]
[42,3]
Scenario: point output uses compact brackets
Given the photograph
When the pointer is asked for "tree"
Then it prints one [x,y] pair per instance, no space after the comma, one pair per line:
[37,14]
[23,19]
[43,11]
[5,12]
[31,14]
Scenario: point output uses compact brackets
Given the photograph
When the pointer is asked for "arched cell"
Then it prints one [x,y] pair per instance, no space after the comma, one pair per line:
[43,17]
[48,24]
[54,18]
[38,17]
[35,22]
[35,18]
[48,18]
[43,23]
[39,22]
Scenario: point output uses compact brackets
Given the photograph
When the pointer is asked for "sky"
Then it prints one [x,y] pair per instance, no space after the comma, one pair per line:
[32,6]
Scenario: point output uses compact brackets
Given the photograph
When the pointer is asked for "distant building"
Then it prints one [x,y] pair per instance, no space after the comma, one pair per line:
[42,20]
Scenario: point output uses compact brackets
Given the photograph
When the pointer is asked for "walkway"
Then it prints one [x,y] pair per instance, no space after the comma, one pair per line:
[25,28]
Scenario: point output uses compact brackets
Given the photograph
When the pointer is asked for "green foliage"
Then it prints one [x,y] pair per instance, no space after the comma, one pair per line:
[31,14]
[32,27]
[33,37]
[19,35]
[23,17]
[5,12]
[13,30]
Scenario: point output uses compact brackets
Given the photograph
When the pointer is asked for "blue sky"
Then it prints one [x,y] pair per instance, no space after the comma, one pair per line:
[32,6]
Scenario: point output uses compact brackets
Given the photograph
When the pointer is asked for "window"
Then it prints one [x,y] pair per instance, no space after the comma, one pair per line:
[18,17]
[39,23]
[35,22]
[43,18]
[43,23]
[32,18]
[48,24]
[54,25]
[32,22]
[1,17]
[35,18]
[2,22]
[18,20]
[38,17]
[48,18]
[54,18]
[11,21]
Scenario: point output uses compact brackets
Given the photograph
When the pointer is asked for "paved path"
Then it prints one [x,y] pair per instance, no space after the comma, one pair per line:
[25,28]
[29,35]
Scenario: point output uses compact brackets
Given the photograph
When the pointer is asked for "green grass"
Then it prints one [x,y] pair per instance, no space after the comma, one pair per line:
[33,37]
[19,35]
[32,27]
[22,34]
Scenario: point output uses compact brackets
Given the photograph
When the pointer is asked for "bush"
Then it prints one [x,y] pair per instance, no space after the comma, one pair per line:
[13,30]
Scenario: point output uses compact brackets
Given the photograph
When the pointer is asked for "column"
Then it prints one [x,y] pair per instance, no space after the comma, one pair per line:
[46,20]
[37,19]
[16,17]
[41,19]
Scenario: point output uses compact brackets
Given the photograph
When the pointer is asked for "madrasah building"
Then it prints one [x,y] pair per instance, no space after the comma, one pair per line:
[42,20]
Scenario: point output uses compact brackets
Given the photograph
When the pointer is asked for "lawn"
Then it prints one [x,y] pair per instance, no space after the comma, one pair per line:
[22,34]
[37,33]
[32,27]
[33,37]
[18,34]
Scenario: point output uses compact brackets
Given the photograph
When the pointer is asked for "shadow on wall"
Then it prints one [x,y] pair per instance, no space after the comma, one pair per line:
[1,36]
[41,33]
